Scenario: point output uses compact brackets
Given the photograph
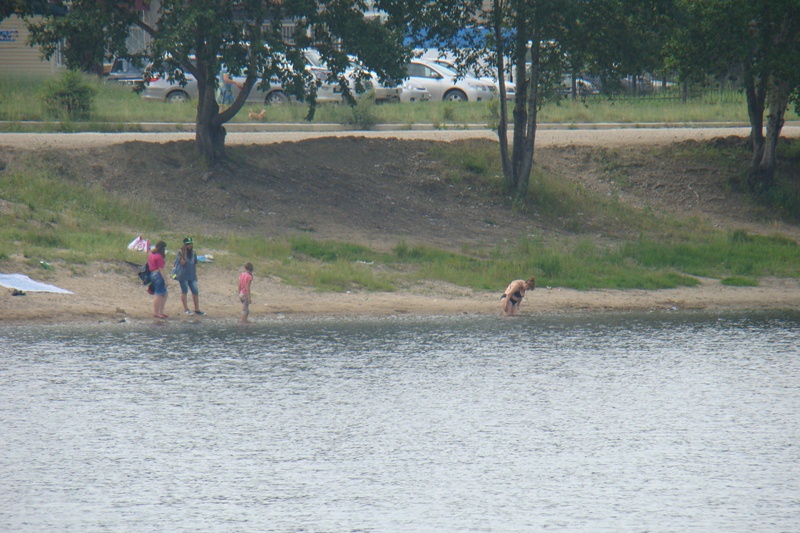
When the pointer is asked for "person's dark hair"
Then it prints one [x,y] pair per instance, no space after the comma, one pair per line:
[532,282]
[248,267]
[161,248]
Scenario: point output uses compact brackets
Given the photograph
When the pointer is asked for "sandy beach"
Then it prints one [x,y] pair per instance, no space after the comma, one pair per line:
[109,295]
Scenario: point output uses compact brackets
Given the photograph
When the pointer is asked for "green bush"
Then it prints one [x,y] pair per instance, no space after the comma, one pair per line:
[363,114]
[70,96]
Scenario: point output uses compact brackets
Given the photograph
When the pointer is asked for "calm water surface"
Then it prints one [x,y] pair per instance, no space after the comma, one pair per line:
[671,422]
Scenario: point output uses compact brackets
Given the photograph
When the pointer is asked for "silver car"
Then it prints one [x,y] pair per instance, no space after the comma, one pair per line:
[383,92]
[444,83]
[511,87]
[414,92]
[164,90]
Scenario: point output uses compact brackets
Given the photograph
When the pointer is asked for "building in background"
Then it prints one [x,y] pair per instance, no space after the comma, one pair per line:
[16,56]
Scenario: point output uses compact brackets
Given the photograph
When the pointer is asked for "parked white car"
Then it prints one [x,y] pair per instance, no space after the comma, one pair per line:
[165,90]
[445,84]
[383,92]
[414,92]
[511,87]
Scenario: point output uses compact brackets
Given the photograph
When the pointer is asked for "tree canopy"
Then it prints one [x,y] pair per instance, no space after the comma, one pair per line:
[262,40]
[538,42]
[757,41]
[534,42]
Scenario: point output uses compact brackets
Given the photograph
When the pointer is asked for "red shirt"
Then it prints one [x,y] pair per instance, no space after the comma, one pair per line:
[244,282]
[155,262]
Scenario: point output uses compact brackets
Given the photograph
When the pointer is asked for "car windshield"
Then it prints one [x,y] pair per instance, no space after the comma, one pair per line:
[447,71]
[315,58]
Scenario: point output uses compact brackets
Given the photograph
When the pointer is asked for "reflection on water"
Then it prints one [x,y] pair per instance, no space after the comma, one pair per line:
[622,423]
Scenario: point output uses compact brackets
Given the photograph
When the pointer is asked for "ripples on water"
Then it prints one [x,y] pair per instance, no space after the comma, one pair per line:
[616,423]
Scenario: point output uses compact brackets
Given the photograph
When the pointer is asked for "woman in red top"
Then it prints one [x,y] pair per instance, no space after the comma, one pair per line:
[156,263]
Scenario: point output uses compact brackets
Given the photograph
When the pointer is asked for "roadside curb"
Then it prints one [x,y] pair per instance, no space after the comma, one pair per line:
[291,127]
[245,127]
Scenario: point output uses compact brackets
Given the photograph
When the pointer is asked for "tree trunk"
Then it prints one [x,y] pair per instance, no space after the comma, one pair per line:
[209,124]
[209,131]
[525,130]
[778,101]
[573,86]
[502,124]
[756,92]
[520,104]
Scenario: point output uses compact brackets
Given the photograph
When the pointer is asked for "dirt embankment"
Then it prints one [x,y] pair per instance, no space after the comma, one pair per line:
[378,189]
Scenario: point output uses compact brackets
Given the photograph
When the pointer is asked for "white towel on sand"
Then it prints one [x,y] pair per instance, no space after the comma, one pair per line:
[24,283]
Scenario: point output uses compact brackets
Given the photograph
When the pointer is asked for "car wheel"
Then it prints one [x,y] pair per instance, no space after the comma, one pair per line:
[455,96]
[177,96]
[276,98]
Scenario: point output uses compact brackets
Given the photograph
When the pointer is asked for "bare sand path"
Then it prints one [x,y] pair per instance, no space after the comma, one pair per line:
[605,136]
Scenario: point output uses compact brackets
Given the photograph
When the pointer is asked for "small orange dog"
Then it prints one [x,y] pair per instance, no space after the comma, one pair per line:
[257,116]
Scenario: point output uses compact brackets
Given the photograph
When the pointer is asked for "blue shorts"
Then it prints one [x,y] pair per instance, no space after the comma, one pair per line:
[159,285]
[225,96]
[186,285]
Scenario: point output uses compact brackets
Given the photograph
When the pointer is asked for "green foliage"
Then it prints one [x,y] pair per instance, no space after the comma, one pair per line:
[363,115]
[789,150]
[339,275]
[70,96]
[738,254]
[330,251]
[47,213]
[244,37]
[739,281]
[477,161]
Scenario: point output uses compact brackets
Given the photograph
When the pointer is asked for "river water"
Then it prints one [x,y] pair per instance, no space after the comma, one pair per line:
[642,422]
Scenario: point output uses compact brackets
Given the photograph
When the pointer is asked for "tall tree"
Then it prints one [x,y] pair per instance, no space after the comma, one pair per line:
[537,40]
[519,36]
[262,40]
[759,39]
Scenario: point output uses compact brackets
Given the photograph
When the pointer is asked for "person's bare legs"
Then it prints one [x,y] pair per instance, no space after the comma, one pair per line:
[508,307]
[245,309]
[159,301]
[183,301]
[196,300]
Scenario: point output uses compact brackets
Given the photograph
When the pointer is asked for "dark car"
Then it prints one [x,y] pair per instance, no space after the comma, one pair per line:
[125,72]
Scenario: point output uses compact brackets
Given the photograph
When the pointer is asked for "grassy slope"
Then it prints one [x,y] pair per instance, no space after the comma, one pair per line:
[47,213]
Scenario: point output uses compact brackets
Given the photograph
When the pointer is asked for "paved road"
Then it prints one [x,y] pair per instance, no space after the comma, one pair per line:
[545,136]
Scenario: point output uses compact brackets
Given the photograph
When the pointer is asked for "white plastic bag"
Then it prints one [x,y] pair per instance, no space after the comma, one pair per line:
[142,245]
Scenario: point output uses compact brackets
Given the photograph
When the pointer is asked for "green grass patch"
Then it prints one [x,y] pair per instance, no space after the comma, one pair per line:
[337,276]
[332,251]
[48,215]
[719,255]
[740,281]
[114,105]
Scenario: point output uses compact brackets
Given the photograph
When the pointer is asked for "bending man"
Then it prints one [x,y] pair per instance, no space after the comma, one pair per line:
[514,294]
